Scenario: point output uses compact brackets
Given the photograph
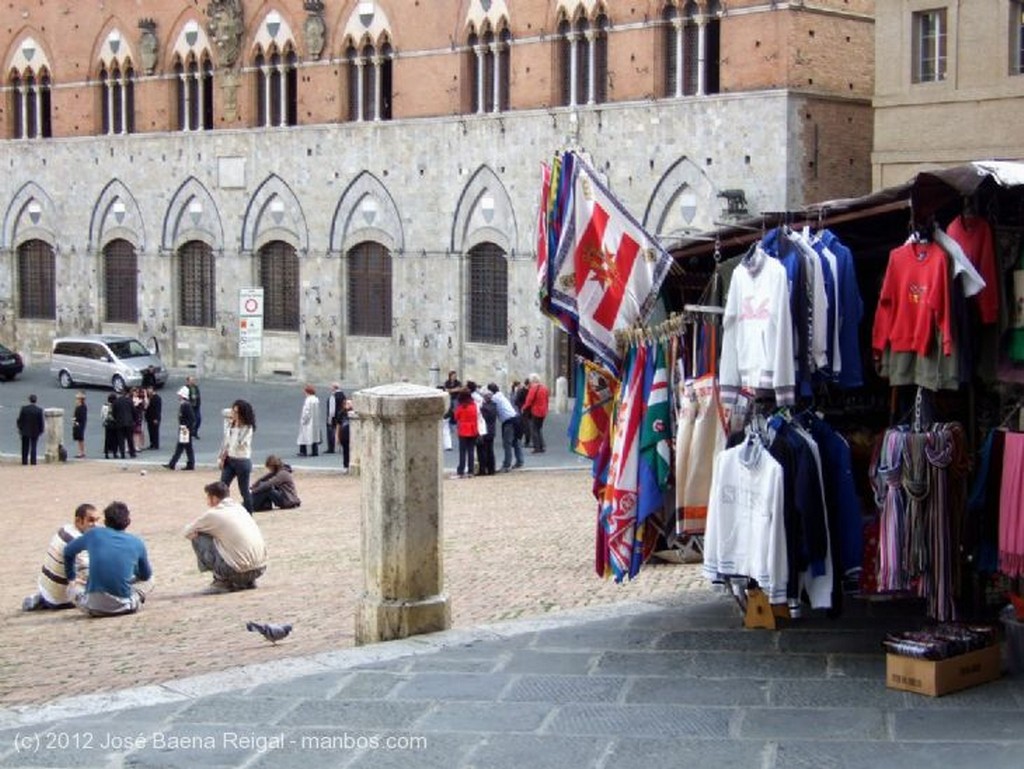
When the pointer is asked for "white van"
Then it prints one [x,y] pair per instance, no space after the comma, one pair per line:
[106,360]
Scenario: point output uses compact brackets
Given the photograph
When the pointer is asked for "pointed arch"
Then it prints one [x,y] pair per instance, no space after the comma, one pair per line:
[113,47]
[28,53]
[116,215]
[366,211]
[29,82]
[31,215]
[274,213]
[192,214]
[663,214]
[191,61]
[484,213]
[495,15]
[274,31]
[189,37]
[366,29]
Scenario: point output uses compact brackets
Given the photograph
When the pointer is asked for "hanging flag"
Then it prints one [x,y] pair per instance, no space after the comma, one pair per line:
[618,513]
[607,269]
[655,458]
[542,233]
[548,225]
[590,425]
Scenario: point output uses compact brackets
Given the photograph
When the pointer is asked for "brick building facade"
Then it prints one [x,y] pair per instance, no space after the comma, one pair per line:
[374,166]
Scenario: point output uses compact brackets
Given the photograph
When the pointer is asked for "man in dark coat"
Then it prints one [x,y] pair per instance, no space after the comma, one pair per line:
[195,399]
[154,412]
[124,419]
[186,430]
[30,426]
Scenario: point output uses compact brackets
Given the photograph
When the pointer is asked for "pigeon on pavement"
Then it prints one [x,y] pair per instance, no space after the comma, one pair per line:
[268,630]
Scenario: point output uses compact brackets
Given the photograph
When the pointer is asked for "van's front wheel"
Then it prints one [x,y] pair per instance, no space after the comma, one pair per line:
[118,383]
[64,378]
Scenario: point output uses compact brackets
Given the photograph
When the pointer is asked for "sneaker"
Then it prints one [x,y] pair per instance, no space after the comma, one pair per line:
[32,602]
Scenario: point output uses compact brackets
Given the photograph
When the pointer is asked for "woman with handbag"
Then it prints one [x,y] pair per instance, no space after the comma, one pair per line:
[236,451]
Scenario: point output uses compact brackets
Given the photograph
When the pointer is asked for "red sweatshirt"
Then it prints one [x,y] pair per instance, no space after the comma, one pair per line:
[914,301]
[975,237]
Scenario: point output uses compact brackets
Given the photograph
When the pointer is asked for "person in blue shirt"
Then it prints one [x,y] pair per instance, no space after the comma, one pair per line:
[119,570]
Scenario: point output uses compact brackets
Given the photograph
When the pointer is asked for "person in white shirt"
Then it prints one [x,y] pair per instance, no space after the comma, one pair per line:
[55,591]
[227,542]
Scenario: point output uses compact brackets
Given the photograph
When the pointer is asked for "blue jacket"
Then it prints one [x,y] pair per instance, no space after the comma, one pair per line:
[116,559]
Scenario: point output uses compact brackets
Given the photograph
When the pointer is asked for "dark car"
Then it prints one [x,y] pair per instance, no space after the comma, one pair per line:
[10,364]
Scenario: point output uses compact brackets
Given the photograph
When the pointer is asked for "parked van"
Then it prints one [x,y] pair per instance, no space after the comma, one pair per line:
[106,360]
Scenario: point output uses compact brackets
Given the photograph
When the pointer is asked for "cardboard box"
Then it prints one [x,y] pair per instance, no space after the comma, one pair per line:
[936,678]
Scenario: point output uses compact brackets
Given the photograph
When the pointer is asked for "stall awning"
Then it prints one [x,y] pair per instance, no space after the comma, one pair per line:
[923,197]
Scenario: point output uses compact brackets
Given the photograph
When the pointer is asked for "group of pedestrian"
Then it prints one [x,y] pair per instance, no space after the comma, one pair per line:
[105,571]
[131,422]
[479,415]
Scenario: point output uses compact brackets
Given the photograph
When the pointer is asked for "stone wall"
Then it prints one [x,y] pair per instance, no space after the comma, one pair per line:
[427,178]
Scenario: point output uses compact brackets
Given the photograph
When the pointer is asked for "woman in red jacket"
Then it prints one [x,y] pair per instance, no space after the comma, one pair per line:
[465,423]
[537,405]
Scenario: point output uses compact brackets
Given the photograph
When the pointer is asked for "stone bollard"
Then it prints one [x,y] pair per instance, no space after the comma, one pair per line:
[561,395]
[54,421]
[355,442]
[226,415]
[400,474]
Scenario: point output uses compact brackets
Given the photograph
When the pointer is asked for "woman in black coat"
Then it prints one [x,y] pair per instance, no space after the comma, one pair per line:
[81,416]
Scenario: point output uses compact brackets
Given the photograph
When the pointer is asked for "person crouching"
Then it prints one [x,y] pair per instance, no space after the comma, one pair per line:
[227,542]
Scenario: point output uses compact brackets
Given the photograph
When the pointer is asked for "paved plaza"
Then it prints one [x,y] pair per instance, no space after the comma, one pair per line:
[545,666]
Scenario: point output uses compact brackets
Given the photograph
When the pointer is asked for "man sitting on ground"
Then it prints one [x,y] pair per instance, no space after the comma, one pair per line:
[227,542]
[55,591]
[119,570]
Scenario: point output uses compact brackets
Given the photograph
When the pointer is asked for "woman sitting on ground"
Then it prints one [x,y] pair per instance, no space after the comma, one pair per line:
[276,488]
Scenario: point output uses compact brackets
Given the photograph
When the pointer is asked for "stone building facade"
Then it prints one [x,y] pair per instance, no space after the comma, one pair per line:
[949,86]
[375,166]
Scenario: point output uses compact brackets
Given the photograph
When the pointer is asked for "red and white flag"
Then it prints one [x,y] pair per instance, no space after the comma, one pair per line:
[611,266]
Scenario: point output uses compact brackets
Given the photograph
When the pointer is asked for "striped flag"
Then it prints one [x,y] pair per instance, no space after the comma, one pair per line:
[618,513]
[655,458]
[590,425]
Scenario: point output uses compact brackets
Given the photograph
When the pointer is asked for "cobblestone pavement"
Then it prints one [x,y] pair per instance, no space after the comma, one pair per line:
[515,545]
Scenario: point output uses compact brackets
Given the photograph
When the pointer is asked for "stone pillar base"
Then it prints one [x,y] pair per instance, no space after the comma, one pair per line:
[380,620]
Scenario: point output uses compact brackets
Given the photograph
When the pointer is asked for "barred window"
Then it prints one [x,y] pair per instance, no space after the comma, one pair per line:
[369,290]
[37,266]
[488,294]
[279,277]
[195,284]
[120,282]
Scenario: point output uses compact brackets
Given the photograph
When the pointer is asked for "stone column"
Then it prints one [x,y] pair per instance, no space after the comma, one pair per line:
[401,471]
[561,395]
[54,421]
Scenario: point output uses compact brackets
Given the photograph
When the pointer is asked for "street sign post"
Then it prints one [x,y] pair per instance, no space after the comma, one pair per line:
[250,322]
